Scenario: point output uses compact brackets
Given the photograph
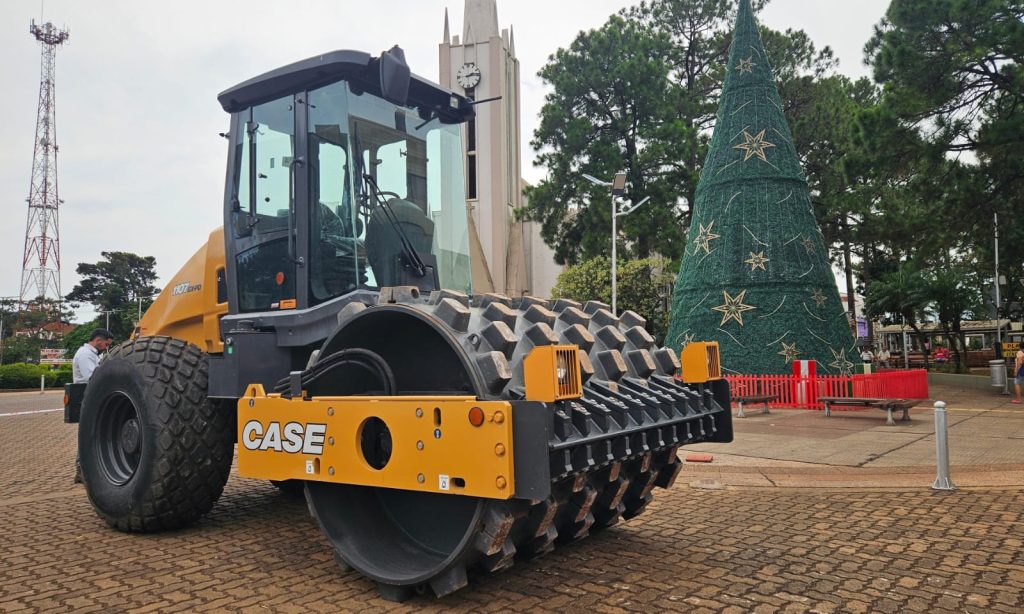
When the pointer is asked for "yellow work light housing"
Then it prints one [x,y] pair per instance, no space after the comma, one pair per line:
[552,373]
[700,362]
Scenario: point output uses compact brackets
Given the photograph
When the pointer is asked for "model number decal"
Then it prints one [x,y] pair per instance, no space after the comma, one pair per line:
[185,287]
[293,437]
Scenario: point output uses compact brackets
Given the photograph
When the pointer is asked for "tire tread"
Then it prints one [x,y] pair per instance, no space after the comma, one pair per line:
[194,449]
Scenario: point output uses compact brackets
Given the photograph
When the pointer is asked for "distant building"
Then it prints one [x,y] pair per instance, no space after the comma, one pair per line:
[50,331]
[508,256]
[979,334]
[860,328]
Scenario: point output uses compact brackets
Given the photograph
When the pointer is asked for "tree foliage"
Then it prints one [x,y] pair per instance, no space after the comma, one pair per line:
[952,114]
[954,298]
[40,318]
[639,94]
[31,326]
[80,336]
[953,68]
[642,286]
[906,171]
[117,283]
[900,297]
[611,109]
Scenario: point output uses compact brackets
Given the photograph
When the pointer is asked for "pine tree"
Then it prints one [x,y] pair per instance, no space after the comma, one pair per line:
[756,276]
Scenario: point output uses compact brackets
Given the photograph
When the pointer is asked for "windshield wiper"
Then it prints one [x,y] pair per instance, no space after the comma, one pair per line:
[411,255]
[251,128]
[434,114]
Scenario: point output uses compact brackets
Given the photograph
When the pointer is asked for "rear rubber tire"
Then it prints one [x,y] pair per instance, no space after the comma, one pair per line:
[155,450]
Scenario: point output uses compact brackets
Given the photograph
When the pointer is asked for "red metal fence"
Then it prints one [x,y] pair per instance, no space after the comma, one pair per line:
[804,392]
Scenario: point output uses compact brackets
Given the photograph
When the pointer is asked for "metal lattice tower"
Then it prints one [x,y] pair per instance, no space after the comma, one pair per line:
[40,268]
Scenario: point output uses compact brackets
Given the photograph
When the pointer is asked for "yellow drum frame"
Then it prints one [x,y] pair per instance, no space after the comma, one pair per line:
[434,445]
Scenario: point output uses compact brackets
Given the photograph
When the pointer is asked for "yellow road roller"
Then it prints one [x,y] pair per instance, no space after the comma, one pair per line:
[328,332]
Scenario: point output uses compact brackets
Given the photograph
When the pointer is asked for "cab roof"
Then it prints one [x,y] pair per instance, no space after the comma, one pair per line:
[361,70]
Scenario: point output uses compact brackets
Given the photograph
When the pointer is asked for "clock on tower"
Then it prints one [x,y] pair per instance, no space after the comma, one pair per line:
[468,76]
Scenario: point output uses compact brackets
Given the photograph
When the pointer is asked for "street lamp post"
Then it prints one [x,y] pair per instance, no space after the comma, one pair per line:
[999,327]
[618,186]
[906,355]
[617,214]
[108,312]
[1,337]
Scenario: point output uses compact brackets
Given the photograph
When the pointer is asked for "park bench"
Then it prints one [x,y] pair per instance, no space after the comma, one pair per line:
[754,398]
[887,405]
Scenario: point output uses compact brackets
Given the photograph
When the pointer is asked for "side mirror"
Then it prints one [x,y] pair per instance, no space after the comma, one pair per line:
[394,76]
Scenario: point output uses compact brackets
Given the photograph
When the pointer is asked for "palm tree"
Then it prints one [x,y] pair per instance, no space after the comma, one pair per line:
[903,293]
[952,295]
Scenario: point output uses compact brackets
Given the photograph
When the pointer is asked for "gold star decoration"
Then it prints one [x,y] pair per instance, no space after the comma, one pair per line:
[746,66]
[841,363]
[818,297]
[704,238]
[733,307]
[757,261]
[808,245]
[789,352]
[754,145]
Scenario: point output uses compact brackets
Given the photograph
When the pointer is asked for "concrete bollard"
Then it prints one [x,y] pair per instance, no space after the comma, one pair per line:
[42,384]
[942,479]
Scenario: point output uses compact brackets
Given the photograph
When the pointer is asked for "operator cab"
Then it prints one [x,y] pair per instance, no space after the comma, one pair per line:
[345,174]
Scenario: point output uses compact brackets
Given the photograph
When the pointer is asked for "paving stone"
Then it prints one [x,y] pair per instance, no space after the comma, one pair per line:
[736,550]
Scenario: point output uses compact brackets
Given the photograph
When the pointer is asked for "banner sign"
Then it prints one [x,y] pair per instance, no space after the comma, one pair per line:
[53,356]
[1010,349]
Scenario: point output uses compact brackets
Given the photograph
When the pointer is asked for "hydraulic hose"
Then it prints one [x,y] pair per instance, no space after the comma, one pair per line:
[354,357]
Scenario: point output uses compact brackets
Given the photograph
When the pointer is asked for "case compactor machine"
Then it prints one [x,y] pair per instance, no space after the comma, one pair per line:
[329,330]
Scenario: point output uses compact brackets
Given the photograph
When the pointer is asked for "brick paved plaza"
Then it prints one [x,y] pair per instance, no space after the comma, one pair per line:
[698,549]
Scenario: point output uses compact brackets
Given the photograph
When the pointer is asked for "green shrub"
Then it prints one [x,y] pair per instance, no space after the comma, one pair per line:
[22,375]
[59,376]
[643,286]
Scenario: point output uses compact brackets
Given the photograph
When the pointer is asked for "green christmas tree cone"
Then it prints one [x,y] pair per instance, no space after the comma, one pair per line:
[755,276]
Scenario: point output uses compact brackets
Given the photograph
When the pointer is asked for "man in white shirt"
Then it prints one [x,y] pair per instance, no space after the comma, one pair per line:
[86,360]
[883,358]
[867,356]
[88,356]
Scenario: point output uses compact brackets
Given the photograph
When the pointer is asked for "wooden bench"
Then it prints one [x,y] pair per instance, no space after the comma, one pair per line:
[887,405]
[755,398]
[916,360]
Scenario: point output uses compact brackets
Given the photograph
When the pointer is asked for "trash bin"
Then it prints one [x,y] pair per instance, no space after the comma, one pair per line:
[997,371]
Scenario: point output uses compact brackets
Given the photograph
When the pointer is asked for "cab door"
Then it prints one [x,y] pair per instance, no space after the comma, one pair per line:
[266,224]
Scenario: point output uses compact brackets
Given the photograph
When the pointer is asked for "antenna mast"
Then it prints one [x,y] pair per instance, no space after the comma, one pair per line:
[40,269]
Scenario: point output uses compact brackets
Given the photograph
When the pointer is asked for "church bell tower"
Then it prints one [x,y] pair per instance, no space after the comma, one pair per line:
[482,64]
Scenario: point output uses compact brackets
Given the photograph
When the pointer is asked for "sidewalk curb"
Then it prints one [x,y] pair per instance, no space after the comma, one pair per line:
[1008,477]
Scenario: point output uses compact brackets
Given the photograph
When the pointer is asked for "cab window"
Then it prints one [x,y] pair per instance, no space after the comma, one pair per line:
[266,272]
[337,254]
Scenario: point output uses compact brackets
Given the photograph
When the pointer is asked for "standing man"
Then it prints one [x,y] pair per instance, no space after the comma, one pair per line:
[1018,367]
[88,356]
[866,355]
